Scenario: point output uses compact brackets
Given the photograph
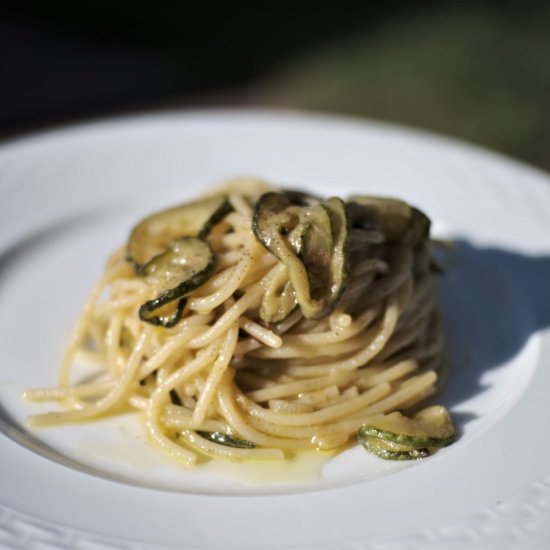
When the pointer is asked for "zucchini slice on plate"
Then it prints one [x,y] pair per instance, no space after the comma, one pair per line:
[227,440]
[409,437]
[310,238]
[186,264]
[279,298]
[384,450]
[165,315]
[151,236]
[397,219]
[339,263]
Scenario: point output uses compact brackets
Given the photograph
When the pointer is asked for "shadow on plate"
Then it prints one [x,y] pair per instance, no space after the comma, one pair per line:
[493,300]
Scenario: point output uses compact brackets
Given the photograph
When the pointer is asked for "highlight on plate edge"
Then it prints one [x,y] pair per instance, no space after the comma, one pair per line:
[256,322]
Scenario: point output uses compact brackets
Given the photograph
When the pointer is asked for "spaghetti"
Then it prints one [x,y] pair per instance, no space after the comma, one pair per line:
[250,361]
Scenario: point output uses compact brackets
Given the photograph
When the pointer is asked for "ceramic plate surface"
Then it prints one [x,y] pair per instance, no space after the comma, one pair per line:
[69,197]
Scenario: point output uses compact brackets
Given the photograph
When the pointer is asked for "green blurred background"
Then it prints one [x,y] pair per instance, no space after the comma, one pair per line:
[479,71]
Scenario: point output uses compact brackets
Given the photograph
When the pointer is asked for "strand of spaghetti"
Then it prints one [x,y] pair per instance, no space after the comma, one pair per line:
[185,422]
[254,381]
[339,320]
[161,395]
[121,286]
[245,346]
[311,366]
[348,427]
[301,386]
[364,291]
[385,374]
[248,300]
[318,436]
[290,407]
[362,276]
[138,402]
[424,295]
[293,345]
[206,304]
[114,359]
[83,322]
[180,417]
[164,371]
[78,391]
[216,372]
[88,356]
[414,315]
[234,418]
[411,344]
[248,186]
[338,397]
[307,351]
[218,280]
[240,205]
[170,348]
[238,222]
[368,265]
[229,258]
[363,238]
[399,274]
[94,336]
[322,416]
[320,398]
[401,340]
[327,442]
[355,292]
[353,420]
[423,355]
[418,397]
[204,357]
[124,302]
[264,335]
[103,404]
[116,257]
[232,240]
[178,453]
[293,319]
[259,269]
[379,338]
[315,326]
[395,400]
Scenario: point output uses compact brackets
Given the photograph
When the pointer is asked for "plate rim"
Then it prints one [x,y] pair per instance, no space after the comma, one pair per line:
[16,513]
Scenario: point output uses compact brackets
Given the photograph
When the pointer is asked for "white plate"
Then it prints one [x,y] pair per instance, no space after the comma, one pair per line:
[67,198]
